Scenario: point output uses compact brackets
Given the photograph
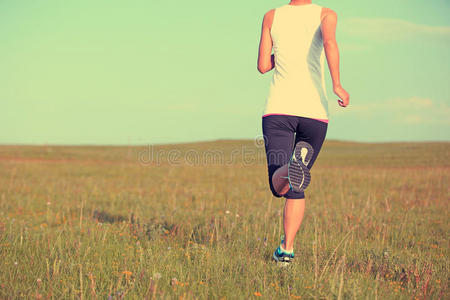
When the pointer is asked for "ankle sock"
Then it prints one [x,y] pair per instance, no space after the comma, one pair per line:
[284,250]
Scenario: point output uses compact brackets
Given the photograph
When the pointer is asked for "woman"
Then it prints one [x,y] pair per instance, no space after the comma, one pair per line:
[296,110]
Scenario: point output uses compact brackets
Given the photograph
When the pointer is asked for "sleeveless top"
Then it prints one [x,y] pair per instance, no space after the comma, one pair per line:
[298,83]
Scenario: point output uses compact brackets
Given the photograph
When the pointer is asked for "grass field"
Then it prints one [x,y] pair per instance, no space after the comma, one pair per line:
[198,220]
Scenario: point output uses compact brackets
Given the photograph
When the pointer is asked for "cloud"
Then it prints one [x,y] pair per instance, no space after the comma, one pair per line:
[412,110]
[388,30]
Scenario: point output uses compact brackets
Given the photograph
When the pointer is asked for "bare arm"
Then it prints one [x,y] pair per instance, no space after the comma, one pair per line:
[330,45]
[266,61]
[328,28]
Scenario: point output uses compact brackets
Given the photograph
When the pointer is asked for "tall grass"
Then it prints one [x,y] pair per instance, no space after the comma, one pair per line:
[200,222]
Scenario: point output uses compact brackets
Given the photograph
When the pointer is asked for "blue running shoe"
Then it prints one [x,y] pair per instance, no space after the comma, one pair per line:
[299,176]
[282,257]
[282,242]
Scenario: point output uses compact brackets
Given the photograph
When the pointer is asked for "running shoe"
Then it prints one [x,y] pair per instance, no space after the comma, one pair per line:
[282,257]
[298,173]
[282,243]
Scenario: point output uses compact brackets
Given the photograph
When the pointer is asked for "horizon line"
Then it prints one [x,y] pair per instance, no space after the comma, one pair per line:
[202,141]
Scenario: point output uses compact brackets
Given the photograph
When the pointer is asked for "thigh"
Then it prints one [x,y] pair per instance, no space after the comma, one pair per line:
[313,132]
[279,135]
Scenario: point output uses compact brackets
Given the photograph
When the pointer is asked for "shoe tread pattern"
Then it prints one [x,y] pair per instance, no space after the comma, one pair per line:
[298,172]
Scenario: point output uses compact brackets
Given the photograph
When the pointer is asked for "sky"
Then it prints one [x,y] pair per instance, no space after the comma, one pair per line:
[152,72]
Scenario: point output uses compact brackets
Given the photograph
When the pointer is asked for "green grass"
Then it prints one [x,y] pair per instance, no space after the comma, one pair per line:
[99,222]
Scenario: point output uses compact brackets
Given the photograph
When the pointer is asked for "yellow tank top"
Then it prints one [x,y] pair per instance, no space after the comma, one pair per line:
[298,83]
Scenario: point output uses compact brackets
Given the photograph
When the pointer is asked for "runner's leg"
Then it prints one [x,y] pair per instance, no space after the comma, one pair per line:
[279,134]
[313,132]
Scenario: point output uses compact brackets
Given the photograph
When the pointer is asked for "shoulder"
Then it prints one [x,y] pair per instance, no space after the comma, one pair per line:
[268,17]
[328,13]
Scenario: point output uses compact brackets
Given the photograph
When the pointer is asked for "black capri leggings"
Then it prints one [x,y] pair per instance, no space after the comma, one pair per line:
[281,134]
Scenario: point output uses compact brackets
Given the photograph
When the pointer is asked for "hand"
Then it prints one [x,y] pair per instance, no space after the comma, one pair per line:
[341,93]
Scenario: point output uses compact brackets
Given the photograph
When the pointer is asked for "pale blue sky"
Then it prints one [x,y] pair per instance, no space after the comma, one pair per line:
[141,72]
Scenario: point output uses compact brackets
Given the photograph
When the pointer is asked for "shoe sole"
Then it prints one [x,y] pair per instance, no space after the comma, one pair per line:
[298,173]
[279,262]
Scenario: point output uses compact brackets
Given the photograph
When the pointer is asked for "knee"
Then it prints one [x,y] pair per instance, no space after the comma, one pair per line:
[275,193]
[273,190]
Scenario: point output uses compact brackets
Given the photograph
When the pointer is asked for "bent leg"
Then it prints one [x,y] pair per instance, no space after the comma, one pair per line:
[279,135]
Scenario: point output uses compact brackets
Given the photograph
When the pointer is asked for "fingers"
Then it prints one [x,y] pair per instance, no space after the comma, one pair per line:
[341,103]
